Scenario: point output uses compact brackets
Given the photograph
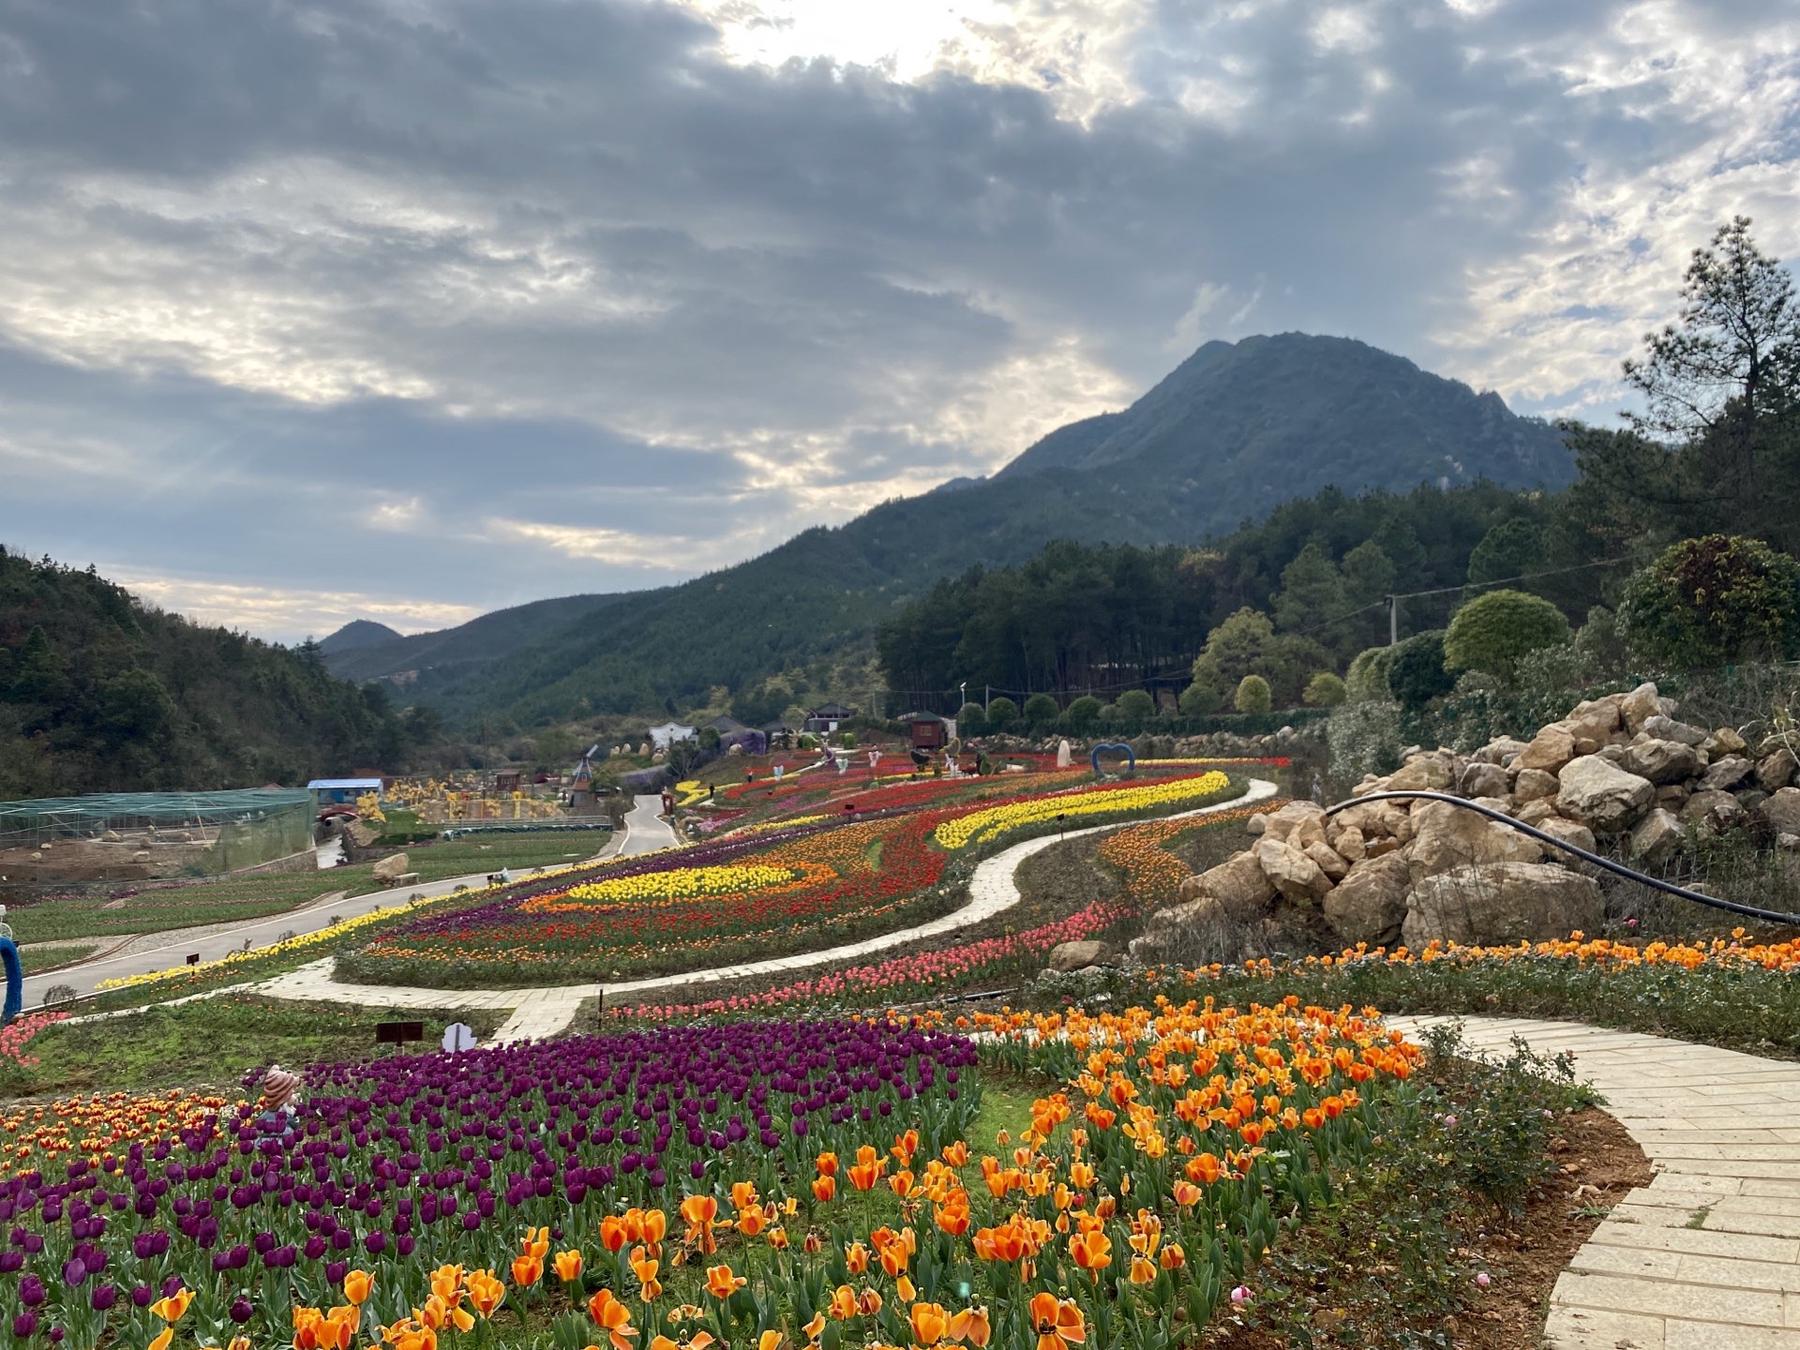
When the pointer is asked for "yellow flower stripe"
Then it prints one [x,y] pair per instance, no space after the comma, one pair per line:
[981,826]
[686,883]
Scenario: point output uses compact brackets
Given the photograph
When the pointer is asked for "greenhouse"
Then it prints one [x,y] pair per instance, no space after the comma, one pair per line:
[153,833]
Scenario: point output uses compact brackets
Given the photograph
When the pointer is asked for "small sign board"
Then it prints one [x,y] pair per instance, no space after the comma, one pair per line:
[193,958]
[459,1036]
[398,1033]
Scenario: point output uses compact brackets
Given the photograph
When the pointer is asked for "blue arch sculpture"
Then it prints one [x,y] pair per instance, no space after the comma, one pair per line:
[1116,748]
[15,980]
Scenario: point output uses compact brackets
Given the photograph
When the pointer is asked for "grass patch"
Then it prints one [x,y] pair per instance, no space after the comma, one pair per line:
[42,956]
[210,1043]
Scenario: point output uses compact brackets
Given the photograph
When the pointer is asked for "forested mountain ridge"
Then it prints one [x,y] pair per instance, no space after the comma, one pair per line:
[100,692]
[1235,431]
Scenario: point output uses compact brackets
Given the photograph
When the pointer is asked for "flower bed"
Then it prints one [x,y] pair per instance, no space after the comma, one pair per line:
[589,1183]
[721,901]
[14,1037]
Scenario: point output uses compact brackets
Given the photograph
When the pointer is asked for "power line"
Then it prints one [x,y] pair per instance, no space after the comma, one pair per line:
[1501,581]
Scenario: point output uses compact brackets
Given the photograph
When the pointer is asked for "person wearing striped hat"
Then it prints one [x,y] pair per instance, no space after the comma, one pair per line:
[280,1098]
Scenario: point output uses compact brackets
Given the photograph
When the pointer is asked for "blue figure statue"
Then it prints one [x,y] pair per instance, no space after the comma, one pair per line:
[1115,748]
[15,973]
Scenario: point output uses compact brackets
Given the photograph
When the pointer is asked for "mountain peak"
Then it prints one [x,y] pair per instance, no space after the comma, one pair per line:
[357,633]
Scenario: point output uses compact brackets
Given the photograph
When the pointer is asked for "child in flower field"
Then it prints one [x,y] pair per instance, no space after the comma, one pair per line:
[280,1099]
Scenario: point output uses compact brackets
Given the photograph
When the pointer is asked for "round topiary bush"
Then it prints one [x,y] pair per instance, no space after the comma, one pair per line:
[1253,695]
[1493,631]
[1135,705]
[1415,671]
[1367,679]
[1002,712]
[1713,601]
[1200,700]
[1084,712]
[1041,710]
[1324,690]
[970,720]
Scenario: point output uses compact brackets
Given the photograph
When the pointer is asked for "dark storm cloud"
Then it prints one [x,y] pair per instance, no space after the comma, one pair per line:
[434,285]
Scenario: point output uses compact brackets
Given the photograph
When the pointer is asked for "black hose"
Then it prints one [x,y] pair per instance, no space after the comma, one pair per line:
[1617,868]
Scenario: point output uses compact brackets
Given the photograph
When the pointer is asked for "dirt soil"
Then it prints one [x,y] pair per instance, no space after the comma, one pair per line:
[1598,1165]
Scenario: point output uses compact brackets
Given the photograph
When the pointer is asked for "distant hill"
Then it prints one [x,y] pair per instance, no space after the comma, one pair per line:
[356,633]
[102,693]
[1233,432]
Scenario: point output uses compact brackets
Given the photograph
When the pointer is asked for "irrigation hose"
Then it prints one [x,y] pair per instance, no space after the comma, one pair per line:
[1609,864]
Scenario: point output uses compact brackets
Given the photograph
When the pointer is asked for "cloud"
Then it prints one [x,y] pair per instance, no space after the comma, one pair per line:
[442,293]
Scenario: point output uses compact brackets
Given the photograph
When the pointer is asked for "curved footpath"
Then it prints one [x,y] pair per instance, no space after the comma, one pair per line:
[643,831]
[1707,1256]
[545,1012]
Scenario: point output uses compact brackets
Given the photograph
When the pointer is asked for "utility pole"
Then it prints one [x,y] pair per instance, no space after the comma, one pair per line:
[987,697]
[1393,620]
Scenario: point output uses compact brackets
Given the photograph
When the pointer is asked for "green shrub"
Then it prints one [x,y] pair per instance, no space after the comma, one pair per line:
[1084,712]
[1368,675]
[1416,673]
[1135,705]
[1363,738]
[1002,712]
[1041,710]
[1493,631]
[1324,690]
[1714,601]
[970,720]
[1252,695]
[847,740]
[1200,700]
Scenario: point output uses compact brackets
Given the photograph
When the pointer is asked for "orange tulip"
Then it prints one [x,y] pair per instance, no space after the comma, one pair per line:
[856,1257]
[823,1188]
[843,1302]
[527,1271]
[1142,1271]
[901,1183]
[357,1286]
[174,1307]
[721,1283]
[827,1163]
[485,1291]
[930,1324]
[743,1194]
[612,1317]
[613,1233]
[1056,1321]
[1173,1257]
[568,1266]
[1092,1251]
[162,1339]
[972,1327]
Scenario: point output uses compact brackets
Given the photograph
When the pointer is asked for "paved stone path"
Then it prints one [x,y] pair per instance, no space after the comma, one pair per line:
[538,1013]
[1707,1256]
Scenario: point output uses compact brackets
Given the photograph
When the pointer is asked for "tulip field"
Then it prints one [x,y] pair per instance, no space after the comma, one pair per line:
[758,1183]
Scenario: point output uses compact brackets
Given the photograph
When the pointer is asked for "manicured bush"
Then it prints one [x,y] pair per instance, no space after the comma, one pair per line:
[1135,705]
[1002,712]
[1041,710]
[1083,712]
[1252,695]
[1324,690]
[1415,671]
[1719,600]
[1200,700]
[1368,676]
[970,720]
[1493,631]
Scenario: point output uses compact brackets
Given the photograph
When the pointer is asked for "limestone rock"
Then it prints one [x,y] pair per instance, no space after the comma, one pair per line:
[1422,773]
[394,865]
[1727,772]
[1639,706]
[1776,770]
[1601,795]
[1724,741]
[1296,823]
[1500,902]
[1239,884]
[1330,861]
[1537,812]
[1783,810]
[1656,838]
[1349,844]
[1369,905]
[1256,824]
[1078,955]
[1713,812]
[1502,751]
[1570,832]
[1549,750]
[1450,836]
[1668,729]
[1481,779]
[1532,784]
[1662,761]
[1295,875]
[1595,719]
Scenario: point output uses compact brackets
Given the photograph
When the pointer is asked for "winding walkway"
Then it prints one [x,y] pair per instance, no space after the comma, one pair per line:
[537,1013]
[1707,1256]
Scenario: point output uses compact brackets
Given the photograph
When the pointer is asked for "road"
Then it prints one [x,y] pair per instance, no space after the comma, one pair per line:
[643,831]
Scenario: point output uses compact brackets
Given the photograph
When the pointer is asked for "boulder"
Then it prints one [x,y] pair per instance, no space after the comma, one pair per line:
[1724,741]
[1369,905]
[1330,862]
[1239,884]
[1726,773]
[1481,779]
[1668,729]
[1532,784]
[1595,720]
[1502,751]
[1601,795]
[1422,773]
[1451,836]
[1295,875]
[1783,810]
[1296,823]
[1672,795]
[1349,844]
[1501,902]
[1639,706]
[394,865]
[1256,824]
[1549,750]
[1078,955]
[1570,832]
[1537,812]
[1501,805]
[1713,812]
[1662,761]
[1776,770]
[1656,838]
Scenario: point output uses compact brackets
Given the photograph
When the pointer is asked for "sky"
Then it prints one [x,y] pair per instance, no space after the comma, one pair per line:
[406,310]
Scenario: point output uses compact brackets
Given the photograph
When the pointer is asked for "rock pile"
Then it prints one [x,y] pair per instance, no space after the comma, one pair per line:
[1621,771]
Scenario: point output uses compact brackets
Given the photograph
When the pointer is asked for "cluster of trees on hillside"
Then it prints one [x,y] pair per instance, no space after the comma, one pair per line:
[99,692]
[1663,554]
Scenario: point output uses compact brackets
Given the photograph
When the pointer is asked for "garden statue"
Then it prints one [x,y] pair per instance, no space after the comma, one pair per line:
[874,759]
[15,973]
[1063,759]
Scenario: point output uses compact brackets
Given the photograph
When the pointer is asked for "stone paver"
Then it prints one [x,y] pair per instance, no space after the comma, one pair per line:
[991,891]
[1706,1257]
